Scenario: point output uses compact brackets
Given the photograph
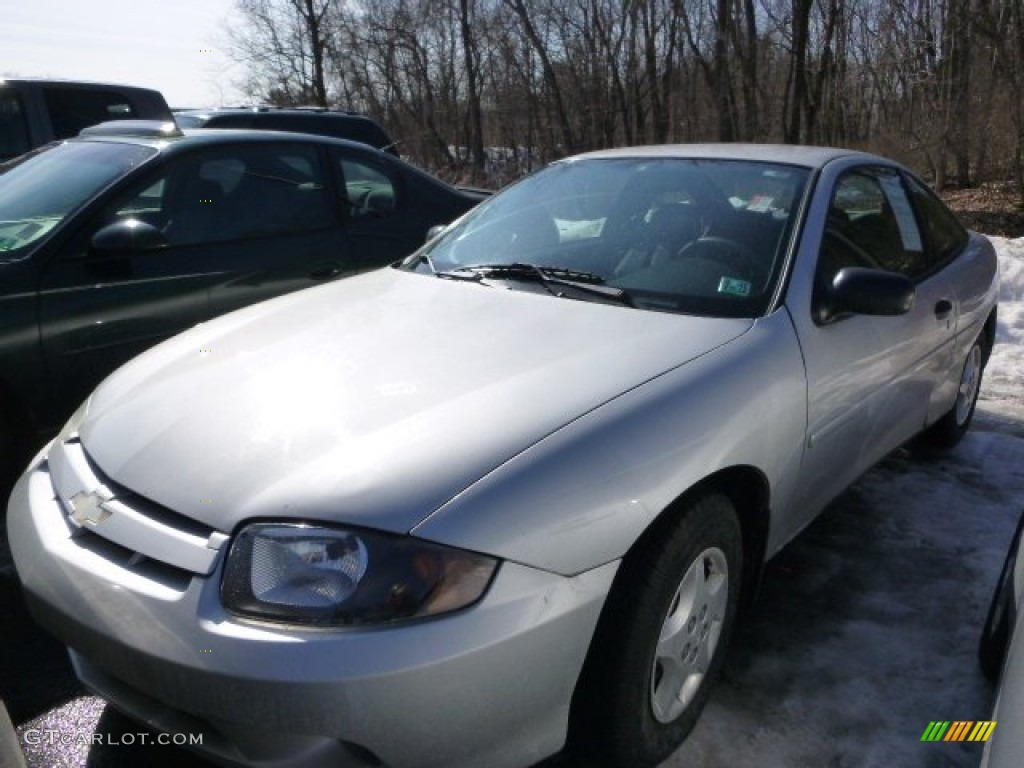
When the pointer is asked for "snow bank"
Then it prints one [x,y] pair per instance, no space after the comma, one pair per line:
[1006,366]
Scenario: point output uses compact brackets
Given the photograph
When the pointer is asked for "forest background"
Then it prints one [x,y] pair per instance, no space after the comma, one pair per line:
[484,91]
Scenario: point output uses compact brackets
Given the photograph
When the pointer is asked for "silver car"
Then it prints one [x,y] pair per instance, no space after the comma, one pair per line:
[508,494]
[1001,653]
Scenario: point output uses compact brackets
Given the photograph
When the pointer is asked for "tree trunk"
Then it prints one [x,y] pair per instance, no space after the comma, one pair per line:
[476,125]
[723,80]
[520,9]
[801,25]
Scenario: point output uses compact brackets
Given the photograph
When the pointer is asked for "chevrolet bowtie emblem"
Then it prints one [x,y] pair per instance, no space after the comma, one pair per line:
[87,508]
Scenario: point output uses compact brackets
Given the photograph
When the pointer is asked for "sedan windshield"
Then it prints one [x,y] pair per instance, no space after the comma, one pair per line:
[38,194]
[700,236]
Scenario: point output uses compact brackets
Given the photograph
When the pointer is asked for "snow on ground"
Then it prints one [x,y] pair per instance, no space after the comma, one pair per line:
[1006,367]
[866,627]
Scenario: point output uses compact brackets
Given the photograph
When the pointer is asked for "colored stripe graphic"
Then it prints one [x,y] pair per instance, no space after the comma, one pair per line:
[958,730]
[935,731]
[982,730]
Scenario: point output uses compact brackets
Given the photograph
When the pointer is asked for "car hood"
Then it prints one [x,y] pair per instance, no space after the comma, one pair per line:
[372,400]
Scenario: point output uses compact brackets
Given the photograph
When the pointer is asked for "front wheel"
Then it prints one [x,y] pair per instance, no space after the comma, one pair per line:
[661,638]
[950,429]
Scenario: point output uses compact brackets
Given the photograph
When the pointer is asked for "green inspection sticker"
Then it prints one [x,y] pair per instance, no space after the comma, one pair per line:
[734,286]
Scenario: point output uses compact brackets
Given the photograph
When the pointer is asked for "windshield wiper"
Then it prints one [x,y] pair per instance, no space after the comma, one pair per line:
[585,285]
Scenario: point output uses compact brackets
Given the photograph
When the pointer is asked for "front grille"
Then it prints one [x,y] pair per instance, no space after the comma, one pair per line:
[125,527]
[169,576]
[149,508]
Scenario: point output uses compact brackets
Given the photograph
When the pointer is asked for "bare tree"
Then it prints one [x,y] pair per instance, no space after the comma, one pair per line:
[489,88]
[284,44]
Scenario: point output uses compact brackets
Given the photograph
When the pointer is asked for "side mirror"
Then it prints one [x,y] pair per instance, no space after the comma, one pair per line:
[434,231]
[861,291]
[126,236]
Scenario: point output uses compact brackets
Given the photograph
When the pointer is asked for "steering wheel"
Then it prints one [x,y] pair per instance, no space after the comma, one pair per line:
[728,254]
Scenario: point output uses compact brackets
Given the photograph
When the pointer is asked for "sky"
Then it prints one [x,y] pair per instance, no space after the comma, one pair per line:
[174,46]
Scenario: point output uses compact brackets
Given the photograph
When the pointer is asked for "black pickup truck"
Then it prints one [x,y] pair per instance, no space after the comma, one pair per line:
[36,112]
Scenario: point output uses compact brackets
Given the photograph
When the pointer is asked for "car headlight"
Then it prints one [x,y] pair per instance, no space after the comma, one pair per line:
[304,574]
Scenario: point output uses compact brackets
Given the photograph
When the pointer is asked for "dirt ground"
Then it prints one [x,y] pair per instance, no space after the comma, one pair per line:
[995,208]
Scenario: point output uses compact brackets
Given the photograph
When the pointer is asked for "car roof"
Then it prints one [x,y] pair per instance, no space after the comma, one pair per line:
[790,154]
[191,137]
[263,110]
[72,83]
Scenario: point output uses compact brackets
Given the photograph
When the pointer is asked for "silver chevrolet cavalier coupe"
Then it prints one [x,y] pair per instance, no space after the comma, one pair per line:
[508,494]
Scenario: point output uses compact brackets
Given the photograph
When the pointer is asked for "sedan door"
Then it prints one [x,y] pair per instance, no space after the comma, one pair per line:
[870,379]
[384,218]
[969,263]
[277,226]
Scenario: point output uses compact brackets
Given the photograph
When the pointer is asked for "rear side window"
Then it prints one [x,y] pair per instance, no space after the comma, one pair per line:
[72,109]
[362,131]
[369,192]
[227,121]
[946,236]
[352,128]
[189,121]
[13,127]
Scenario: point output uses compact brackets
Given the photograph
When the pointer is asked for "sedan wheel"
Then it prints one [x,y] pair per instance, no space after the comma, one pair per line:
[661,638]
[689,635]
[950,429]
[970,383]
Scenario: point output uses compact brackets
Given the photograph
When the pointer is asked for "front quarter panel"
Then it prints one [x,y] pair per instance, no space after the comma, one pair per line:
[584,494]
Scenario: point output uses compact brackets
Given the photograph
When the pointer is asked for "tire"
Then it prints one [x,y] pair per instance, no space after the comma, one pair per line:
[995,636]
[661,638]
[950,428]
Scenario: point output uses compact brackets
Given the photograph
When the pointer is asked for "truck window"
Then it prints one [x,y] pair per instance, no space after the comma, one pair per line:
[72,109]
[13,127]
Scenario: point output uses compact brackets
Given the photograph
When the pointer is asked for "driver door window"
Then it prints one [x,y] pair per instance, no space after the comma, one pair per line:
[236,194]
[871,224]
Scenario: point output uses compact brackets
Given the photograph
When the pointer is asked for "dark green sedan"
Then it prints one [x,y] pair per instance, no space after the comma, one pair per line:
[135,231]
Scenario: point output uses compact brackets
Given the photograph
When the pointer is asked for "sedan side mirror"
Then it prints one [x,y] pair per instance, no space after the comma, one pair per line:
[434,231]
[862,291]
[126,236]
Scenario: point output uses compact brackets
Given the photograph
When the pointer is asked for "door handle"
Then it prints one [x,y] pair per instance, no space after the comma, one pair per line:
[943,309]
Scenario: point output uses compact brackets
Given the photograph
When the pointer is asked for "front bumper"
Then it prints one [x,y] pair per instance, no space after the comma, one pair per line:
[490,685]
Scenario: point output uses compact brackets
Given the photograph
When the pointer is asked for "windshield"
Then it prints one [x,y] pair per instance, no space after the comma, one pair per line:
[688,235]
[36,195]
